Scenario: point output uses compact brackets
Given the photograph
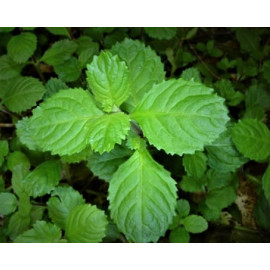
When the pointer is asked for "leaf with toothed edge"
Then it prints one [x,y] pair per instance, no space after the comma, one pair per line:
[181,116]
[142,198]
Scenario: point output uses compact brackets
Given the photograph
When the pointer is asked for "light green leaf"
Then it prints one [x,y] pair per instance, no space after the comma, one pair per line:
[68,110]
[62,201]
[21,47]
[252,139]
[78,157]
[3,150]
[190,74]
[86,224]
[22,93]
[53,86]
[266,183]
[145,68]
[183,208]
[179,235]
[8,203]
[105,165]
[8,68]
[69,70]
[142,198]
[59,31]
[166,112]
[222,154]
[195,224]
[195,165]
[42,232]
[108,130]
[59,52]
[161,32]
[17,158]
[17,225]
[43,179]
[108,79]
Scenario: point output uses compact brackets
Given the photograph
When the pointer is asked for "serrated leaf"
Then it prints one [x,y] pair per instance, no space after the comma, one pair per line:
[22,93]
[108,130]
[145,68]
[108,79]
[86,56]
[42,232]
[17,225]
[86,224]
[195,165]
[266,183]
[43,178]
[195,224]
[8,203]
[70,110]
[78,157]
[190,74]
[179,235]
[60,31]
[183,208]
[62,201]
[105,165]
[69,70]
[217,179]
[85,43]
[161,32]
[142,198]
[252,139]
[21,47]
[222,154]
[17,158]
[8,68]
[166,112]
[59,52]
[53,86]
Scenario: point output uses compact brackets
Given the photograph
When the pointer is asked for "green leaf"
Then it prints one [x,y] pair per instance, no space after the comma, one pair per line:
[105,165]
[190,74]
[62,201]
[8,203]
[220,198]
[2,185]
[142,198]
[108,130]
[222,154]
[85,43]
[261,212]
[217,179]
[195,224]
[17,158]
[3,150]
[68,110]
[59,31]
[22,93]
[59,52]
[21,47]
[86,56]
[161,32]
[43,179]
[86,224]
[17,225]
[266,70]
[145,68]
[42,232]
[179,235]
[266,183]
[195,165]
[191,184]
[8,68]
[166,112]
[53,86]
[252,139]
[6,29]
[108,79]
[256,112]
[183,208]
[78,157]
[69,70]
[19,172]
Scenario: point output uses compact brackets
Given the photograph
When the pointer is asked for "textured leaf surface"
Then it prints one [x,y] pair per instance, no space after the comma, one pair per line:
[109,80]
[8,68]
[17,158]
[222,154]
[21,47]
[195,224]
[62,201]
[86,224]
[195,165]
[53,86]
[266,183]
[105,165]
[61,124]
[142,198]
[108,130]
[78,157]
[166,112]
[252,139]
[22,93]
[145,68]
[179,235]
[42,232]
[191,74]
[192,184]
[59,52]
[161,32]
[17,225]
[43,179]
[8,203]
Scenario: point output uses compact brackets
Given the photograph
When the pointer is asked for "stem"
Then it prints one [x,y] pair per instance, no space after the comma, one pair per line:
[7,125]
[36,65]
[253,179]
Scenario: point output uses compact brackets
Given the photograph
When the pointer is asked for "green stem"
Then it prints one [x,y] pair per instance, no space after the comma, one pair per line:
[253,179]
